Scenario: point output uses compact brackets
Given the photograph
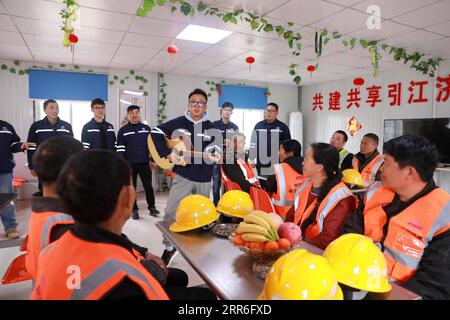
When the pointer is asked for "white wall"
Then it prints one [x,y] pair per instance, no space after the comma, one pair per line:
[320,125]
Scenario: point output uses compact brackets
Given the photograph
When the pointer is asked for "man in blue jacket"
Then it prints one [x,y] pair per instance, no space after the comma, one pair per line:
[265,142]
[43,129]
[195,177]
[9,144]
[227,128]
[98,133]
[132,145]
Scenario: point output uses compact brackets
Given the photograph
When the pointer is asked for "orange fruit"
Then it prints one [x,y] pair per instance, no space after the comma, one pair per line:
[284,243]
[271,245]
[257,245]
[238,240]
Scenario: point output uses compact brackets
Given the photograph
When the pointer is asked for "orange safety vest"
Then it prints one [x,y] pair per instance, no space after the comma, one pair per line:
[336,194]
[39,231]
[75,269]
[248,172]
[409,232]
[288,181]
[369,172]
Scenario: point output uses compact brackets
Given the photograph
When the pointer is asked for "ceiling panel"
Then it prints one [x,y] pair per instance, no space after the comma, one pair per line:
[209,60]
[6,23]
[275,47]
[258,6]
[9,51]
[428,16]
[304,12]
[140,40]
[35,9]
[243,41]
[412,38]
[136,52]
[190,46]
[345,21]
[440,28]
[2,8]
[388,29]
[223,51]
[164,57]
[8,37]
[393,8]
[155,27]
[128,6]
[104,19]
[128,62]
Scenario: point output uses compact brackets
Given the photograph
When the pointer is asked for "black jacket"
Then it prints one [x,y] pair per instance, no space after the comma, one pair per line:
[295,163]
[432,279]
[9,144]
[132,142]
[98,135]
[42,130]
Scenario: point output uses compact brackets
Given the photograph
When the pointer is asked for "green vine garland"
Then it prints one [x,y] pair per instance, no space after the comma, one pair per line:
[256,22]
[161,118]
[137,77]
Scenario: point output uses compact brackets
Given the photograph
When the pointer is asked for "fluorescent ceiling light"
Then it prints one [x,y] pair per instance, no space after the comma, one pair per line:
[203,34]
[133,93]
[125,102]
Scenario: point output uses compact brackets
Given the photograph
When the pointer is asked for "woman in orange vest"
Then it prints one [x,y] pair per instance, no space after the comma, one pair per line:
[288,176]
[323,203]
[368,160]
[408,216]
[94,260]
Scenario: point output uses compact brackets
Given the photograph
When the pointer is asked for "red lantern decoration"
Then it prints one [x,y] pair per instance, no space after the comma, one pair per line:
[73,38]
[311,69]
[172,50]
[250,60]
[358,82]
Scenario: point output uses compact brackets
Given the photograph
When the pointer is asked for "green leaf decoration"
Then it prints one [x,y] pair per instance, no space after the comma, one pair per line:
[297,80]
[12,70]
[122,81]
[76,66]
[141,87]
[4,67]
[16,62]
[145,93]
[62,65]
[111,82]
[132,72]
[116,77]
[363,43]
[21,72]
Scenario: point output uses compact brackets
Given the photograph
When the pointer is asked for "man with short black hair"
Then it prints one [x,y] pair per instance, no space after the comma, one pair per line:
[408,216]
[132,145]
[339,139]
[265,132]
[195,176]
[368,160]
[227,128]
[43,129]
[98,133]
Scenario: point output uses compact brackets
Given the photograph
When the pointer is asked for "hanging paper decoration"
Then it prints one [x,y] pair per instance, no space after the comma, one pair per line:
[250,60]
[172,50]
[69,16]
[358,81]
[73,39]
[219,89]
[311,69]
[353,126]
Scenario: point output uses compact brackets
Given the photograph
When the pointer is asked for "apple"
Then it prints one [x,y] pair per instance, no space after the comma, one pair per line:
[276,218]
[290,231]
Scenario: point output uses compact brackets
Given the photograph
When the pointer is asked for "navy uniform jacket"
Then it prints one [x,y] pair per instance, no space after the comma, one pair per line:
[263,128]
[132,142]
[9,144]
[91,135]
[226,129]
[42,130]
[198,172]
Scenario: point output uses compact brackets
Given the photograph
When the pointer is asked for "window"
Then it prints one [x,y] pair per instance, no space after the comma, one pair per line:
[246,119]
[77,113]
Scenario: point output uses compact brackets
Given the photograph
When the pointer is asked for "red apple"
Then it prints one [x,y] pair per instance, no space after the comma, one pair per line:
[290,231]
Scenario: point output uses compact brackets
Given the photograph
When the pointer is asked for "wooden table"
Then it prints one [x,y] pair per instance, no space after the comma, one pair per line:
[228,271]
[6,198]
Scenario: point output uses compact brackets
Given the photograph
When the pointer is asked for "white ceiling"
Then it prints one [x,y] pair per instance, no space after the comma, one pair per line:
[112,36]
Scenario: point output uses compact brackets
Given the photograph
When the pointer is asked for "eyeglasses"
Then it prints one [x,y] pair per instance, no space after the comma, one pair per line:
[270,111]
[199,104]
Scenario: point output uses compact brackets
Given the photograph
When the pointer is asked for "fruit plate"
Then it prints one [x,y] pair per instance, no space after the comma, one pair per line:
[262,254]
[224,230]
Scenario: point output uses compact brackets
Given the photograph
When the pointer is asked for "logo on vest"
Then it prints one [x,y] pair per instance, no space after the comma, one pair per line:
[415,225]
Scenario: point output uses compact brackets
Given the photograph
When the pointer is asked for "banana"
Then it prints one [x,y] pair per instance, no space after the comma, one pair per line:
[252,228]
[253,237]
[269,220]
[257,220]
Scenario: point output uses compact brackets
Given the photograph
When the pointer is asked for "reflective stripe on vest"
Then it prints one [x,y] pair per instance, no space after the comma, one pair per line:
[46,229]
[369,172]
[342,155]
[330,202]
[279,172]
[371,191]
[102,274]
[248,172]
[297,193]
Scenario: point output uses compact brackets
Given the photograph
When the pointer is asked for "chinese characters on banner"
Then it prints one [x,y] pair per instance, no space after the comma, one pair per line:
[414,93]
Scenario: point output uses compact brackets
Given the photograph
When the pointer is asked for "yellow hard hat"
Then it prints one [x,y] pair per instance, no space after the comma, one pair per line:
[358,263]
[194,211]
[300,275]
[352,176]
[235,203]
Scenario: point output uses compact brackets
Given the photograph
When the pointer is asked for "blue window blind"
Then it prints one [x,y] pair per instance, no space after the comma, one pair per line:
[243,97]
[62,85]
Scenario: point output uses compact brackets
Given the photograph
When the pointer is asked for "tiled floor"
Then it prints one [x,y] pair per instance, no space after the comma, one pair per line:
[142,232]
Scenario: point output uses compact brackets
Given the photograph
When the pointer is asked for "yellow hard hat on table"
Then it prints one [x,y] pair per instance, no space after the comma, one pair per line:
[193,212]
[352,176]
[358,263]
[235,203]
[301,275]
